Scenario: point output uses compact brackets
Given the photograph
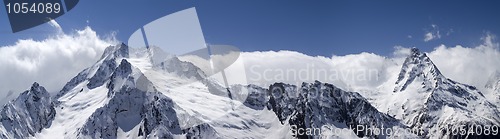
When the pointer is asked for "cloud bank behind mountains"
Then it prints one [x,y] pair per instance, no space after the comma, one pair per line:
[51,62]
[471,65]
[265,68]
[54,61]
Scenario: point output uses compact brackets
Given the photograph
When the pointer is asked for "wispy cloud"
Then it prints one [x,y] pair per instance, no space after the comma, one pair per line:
[56,25]
[450,31]
[433,34]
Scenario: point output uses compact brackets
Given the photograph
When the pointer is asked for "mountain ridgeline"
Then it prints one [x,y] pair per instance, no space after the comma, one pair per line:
[126,95]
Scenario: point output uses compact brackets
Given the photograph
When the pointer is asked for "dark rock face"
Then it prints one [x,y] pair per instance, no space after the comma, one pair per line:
[316,104]
[108,65]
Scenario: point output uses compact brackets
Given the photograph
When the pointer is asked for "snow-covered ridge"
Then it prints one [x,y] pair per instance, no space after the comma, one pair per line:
[99,72]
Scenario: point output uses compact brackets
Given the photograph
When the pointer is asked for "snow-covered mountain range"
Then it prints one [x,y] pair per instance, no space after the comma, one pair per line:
[129,93]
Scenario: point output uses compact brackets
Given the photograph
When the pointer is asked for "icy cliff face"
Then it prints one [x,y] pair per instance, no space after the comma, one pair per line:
[28,114]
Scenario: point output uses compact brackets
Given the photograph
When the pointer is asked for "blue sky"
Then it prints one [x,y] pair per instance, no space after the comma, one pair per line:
[322,27]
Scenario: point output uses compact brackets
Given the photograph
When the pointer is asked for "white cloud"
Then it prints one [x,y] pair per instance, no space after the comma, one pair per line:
[428,36]
[365,70]
[400,51]
[51,62]
[432,34]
